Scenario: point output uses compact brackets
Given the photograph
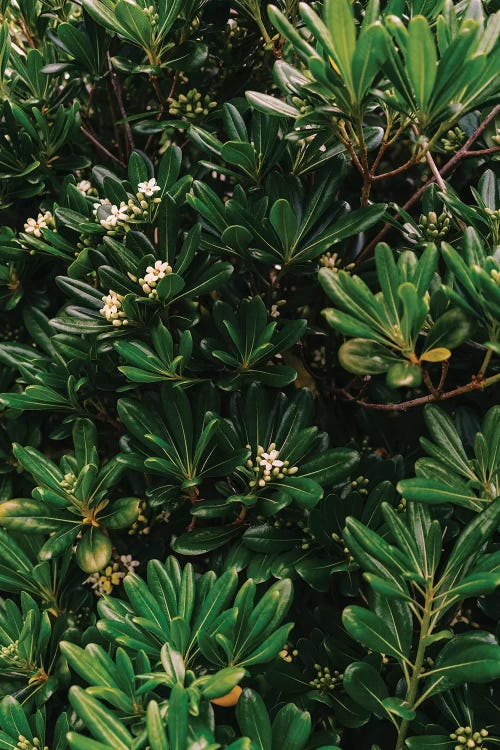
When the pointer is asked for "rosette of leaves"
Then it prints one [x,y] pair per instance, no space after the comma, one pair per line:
[152,28]
[341,70]
[290,230]
[247,344]
[29,732]
[384,329]
[173,727]
[29,650]
[448,474]
[207,620]
[190,443]
[475,288]
[287,462]
[50,582]
[253,151]
[58,374]
[131,242]
[71,501]
[410,628]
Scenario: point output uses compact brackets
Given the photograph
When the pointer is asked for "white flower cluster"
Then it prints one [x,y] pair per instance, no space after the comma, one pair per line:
[43,221]
[112,309]
[119,217]
[268,467]
[332,261]
[153,275]
[68,482]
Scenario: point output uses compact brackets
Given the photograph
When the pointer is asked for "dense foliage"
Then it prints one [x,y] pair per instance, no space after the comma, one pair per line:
[249,340]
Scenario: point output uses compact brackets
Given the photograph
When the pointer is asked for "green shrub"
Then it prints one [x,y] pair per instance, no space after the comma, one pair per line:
[249,339]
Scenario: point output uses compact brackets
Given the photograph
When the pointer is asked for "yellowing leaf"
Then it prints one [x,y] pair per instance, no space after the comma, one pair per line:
[440,354]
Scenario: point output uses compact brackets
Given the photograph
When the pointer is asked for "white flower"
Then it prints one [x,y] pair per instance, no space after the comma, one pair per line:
[268,466]
[117,215]
[43,221]
[148,188]
[84,186]
[153,275]
[129,563]
[112,309]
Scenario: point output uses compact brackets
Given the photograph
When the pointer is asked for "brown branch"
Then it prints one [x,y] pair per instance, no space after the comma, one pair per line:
[474,385]
[104,151]
[462,153]
[119,99]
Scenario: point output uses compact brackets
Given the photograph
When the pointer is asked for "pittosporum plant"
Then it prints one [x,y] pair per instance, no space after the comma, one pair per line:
[249,341]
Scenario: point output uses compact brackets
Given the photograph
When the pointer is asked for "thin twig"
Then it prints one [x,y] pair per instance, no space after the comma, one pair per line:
[462,153]
[474,385]
[118,95]
[100,147]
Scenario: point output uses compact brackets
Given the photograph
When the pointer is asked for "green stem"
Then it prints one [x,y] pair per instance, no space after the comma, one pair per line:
[485,363]
[412,691]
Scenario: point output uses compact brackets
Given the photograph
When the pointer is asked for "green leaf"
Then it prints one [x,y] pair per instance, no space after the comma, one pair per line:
[365,357]
[201,541]
[370,629]
[470,657]
[421,60]
[99,720]
[253,719]
[365,685]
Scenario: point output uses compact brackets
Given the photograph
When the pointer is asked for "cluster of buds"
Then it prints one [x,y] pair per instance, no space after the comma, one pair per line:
[495,275]
[268,466]
[150,11]
[141,526]
[359,485]
[454,139]
[332,261]
[68,482]
[191,106]
[112,309]
[319,357]
[10,653]
[302,105]
[467,738]
[24,744]
[493,213]
[434,227]
[288,653]
[339,540]
[308,535]
[42,221]
[325,680]
[153,275]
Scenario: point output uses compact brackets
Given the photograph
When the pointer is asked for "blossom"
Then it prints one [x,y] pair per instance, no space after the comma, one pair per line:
[148,188]
[268,466]
[153,275]
[117,215]
[129,563]
[35,226]
[112,309]
[103,582]
[84,186]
